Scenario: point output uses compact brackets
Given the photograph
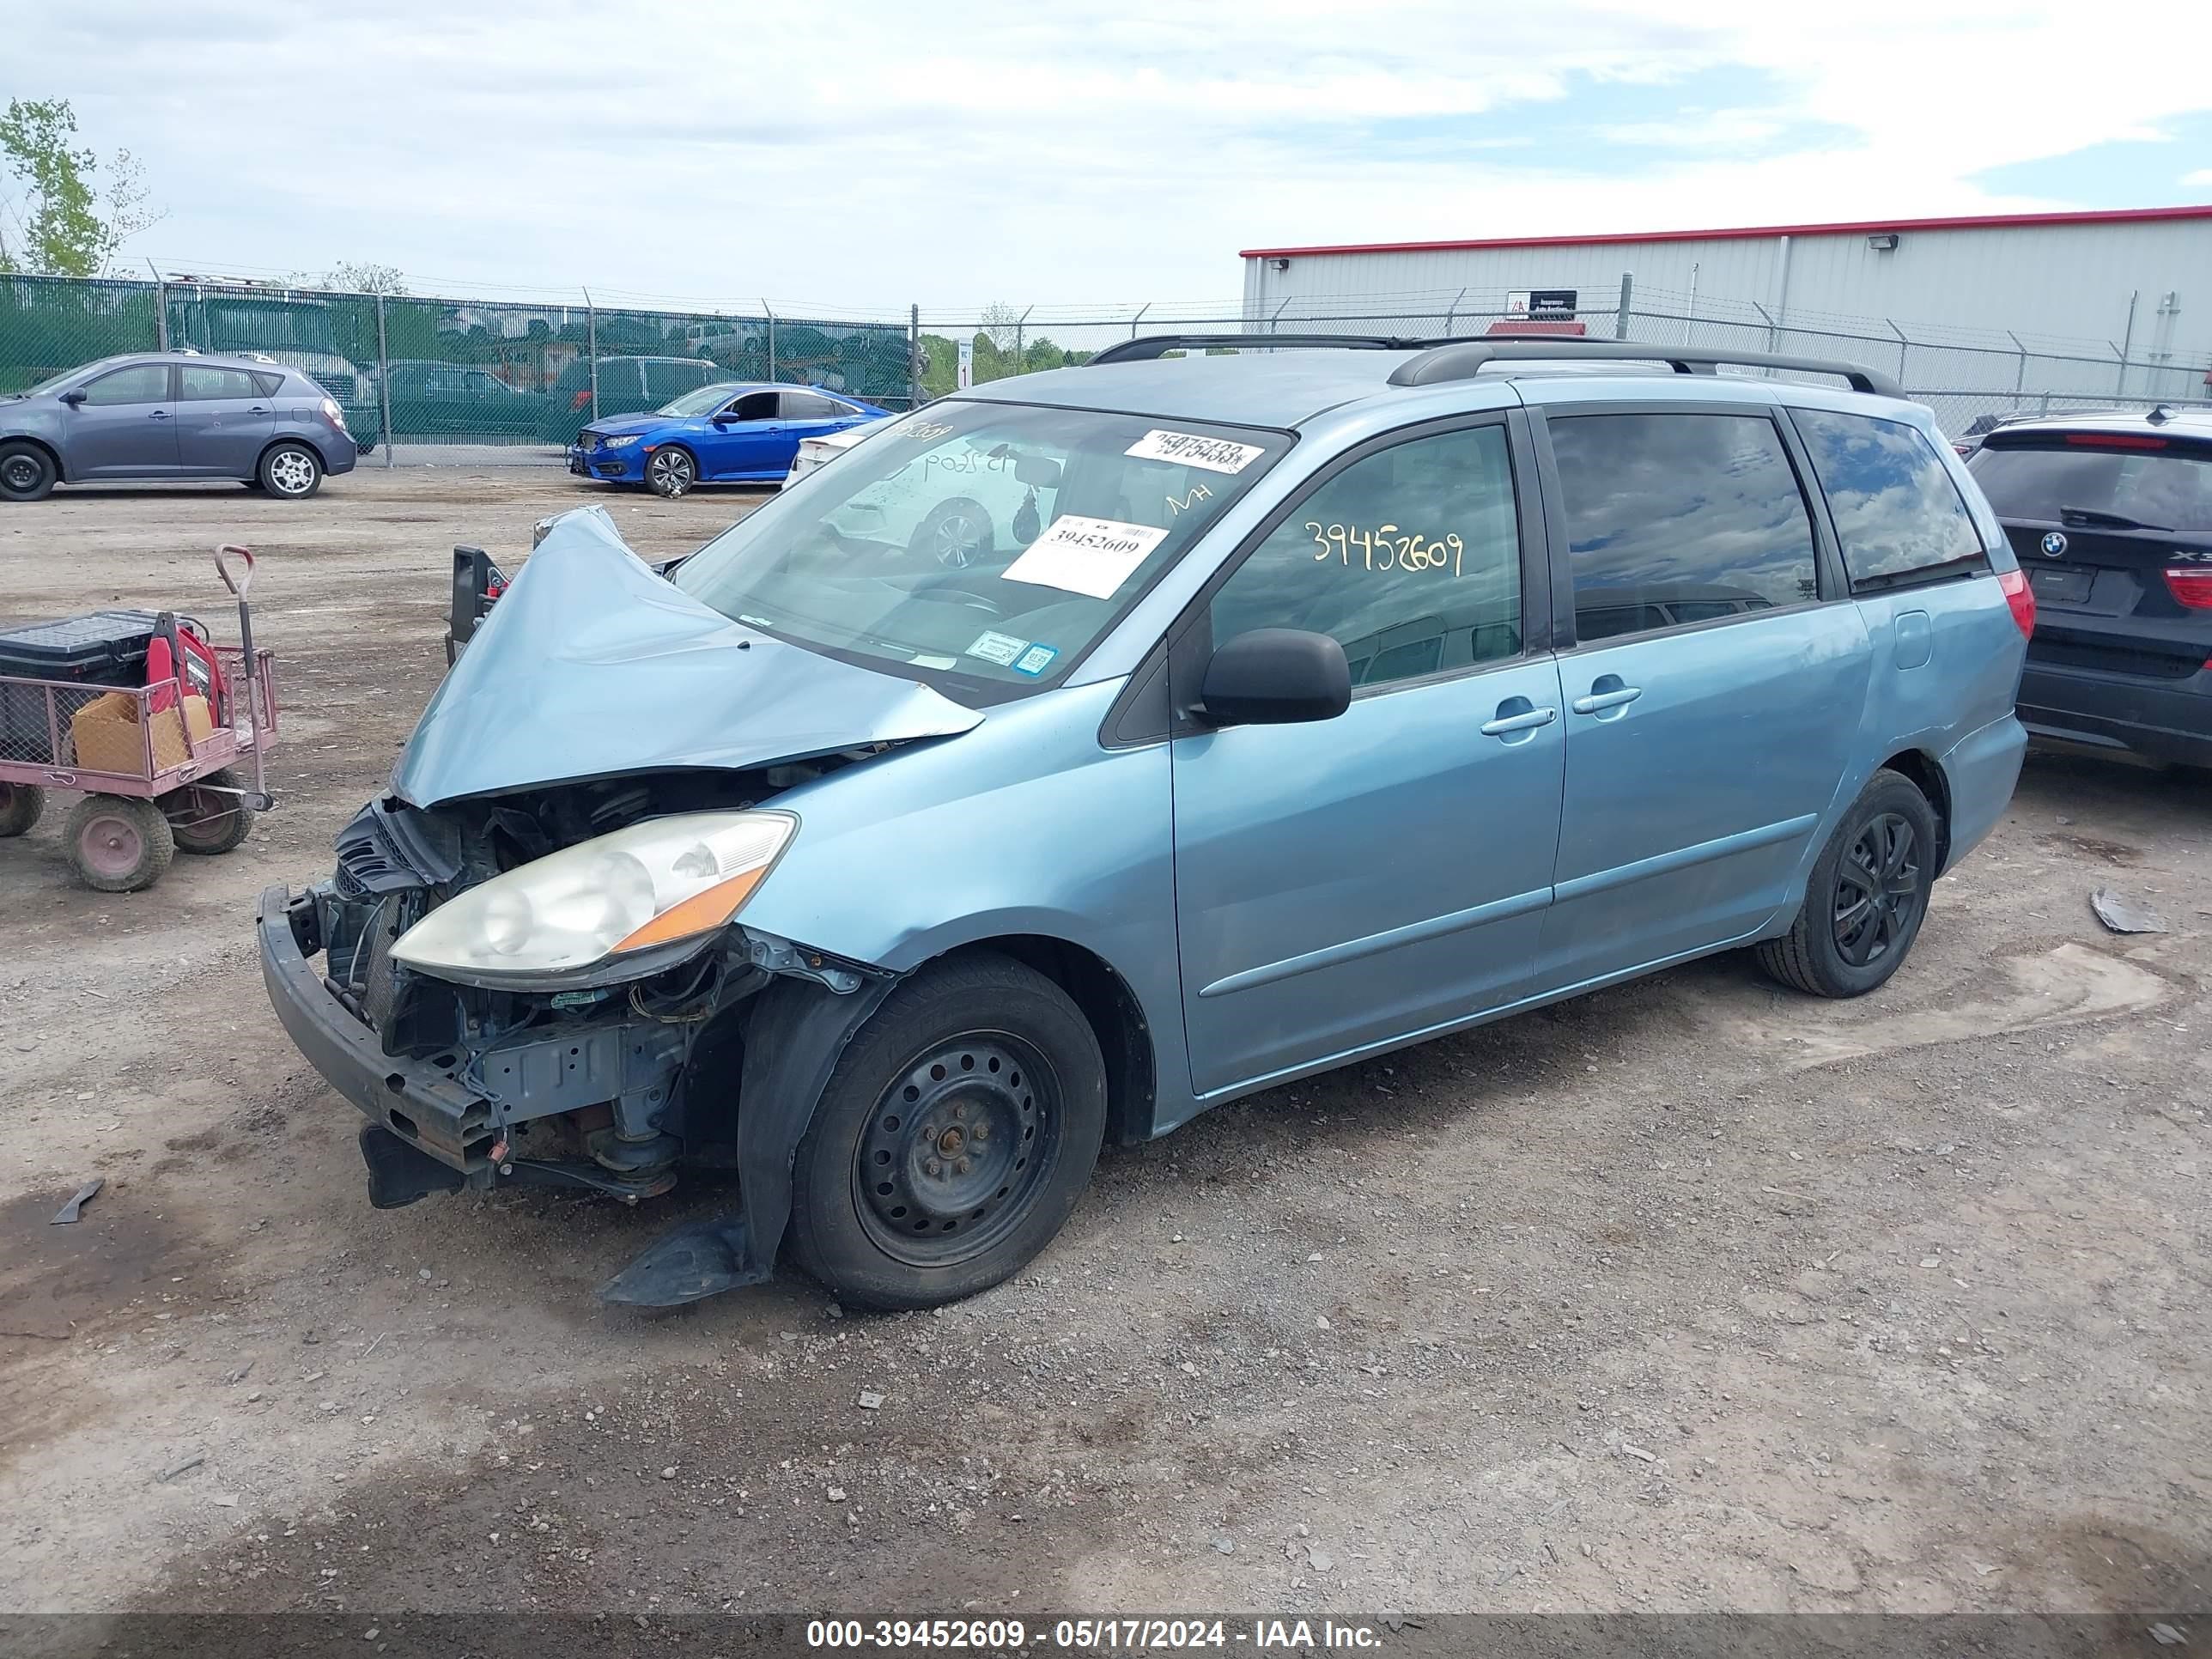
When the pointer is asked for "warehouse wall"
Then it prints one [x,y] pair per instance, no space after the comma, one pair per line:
[2061,282]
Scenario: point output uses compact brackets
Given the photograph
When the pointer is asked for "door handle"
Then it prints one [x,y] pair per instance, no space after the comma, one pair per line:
[1528,720]
[256,409]
[158,415]
[1613,697]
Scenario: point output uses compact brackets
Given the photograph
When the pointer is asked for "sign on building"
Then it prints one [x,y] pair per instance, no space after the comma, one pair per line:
[1557,303]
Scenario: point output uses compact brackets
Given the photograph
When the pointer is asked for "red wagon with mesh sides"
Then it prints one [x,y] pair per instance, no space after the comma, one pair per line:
[174,765]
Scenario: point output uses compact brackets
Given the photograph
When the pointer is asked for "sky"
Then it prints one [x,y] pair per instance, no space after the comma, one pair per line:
[858,155]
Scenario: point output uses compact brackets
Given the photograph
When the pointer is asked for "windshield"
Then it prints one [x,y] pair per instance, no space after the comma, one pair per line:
[2171,491]
[53,380]
[701,400]
[987,545]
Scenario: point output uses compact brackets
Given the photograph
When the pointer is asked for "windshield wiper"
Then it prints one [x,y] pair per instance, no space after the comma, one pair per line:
[2090,517]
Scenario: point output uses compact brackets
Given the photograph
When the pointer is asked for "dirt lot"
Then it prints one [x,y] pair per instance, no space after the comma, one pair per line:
[1695,1294]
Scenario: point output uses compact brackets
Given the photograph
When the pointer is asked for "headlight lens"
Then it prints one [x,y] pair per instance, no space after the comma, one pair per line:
[651,886]
[620,443]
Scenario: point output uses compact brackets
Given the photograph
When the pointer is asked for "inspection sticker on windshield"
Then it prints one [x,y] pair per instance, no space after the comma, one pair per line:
[1092,556]
[1000,648]
[1035,660]
[1190,449]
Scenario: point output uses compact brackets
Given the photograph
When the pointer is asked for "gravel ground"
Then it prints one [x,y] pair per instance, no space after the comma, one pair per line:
[1695,1294]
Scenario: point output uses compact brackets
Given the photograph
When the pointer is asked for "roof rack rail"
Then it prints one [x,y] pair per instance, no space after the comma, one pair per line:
[1145,347]
[1461,359]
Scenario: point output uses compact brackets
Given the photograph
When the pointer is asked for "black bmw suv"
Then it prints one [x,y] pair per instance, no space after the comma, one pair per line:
[2110,515]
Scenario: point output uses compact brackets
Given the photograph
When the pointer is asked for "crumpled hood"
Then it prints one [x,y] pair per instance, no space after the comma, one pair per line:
[592,666]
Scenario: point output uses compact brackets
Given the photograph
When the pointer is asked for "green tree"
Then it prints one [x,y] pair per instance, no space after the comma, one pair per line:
[68,222]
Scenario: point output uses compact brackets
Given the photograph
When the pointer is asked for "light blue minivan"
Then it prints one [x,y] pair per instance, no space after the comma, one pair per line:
[1286,706]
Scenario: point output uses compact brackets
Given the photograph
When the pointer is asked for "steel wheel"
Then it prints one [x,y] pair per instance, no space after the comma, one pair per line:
[117,845]
[955,1148]
[205,821]
[670,472]
[1877,890]
[26,473]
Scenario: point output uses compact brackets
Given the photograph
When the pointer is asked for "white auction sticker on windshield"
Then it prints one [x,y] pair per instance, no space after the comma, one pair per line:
[1001,648]
[1191,449]
[1092,556]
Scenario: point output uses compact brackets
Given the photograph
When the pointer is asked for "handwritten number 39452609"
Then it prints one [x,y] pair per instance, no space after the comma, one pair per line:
[1384,549]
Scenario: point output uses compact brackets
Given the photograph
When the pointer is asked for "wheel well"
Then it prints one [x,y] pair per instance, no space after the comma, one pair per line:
[52,455]
[307,444]
[1926,774]
[1116,1019]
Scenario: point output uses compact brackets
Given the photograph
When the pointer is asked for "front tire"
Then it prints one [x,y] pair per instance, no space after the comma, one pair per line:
[1866,898]
[956,534]
[953,1139]
[670,472]
[290,471]
[117,844]
[26,473]
[204,823]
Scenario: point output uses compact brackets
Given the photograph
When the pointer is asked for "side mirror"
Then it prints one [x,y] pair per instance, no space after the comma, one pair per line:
[73,396]
[1275,677]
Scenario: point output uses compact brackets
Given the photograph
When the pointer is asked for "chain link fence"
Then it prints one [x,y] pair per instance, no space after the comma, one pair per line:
[416,374]
[424,372]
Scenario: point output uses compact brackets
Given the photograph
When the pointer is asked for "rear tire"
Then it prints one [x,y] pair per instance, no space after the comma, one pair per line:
[205,824]
[956,534]
[1866,898]
[953,1139]
[20,803]
[291,472]
[117,844]
[26,473]
[670,472]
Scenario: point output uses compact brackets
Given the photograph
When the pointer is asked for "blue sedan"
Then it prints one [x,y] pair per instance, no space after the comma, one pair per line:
[730,433]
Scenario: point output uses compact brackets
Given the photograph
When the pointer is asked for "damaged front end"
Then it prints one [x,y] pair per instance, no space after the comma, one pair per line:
[606,1087]
[529,967]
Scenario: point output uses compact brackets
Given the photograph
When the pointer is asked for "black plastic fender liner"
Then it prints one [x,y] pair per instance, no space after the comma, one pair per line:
[795,1030]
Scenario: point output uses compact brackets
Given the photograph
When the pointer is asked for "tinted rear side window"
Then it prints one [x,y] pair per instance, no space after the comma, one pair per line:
[1897,512]
[1678,519]
[2171,491]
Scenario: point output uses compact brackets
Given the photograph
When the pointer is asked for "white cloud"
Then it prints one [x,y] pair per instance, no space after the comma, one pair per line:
[865,153]
[2202,179]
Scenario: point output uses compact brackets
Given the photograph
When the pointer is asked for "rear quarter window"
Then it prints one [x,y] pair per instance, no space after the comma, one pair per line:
[1897,512]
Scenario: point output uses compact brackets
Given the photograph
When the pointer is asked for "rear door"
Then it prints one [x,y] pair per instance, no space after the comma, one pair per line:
[1714,684]
[2099,519]
[224,420]
[125,426]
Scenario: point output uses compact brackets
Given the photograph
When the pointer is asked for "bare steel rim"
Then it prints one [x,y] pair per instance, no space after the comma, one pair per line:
[21,471]
[670,472]
[291,472]
[957,1149]
[1878,890]
[962,537]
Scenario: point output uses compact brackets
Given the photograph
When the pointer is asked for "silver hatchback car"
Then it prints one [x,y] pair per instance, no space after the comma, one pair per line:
[1273,711]
[159,416]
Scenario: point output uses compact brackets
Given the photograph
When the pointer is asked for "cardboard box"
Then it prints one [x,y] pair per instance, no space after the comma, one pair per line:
[106,735]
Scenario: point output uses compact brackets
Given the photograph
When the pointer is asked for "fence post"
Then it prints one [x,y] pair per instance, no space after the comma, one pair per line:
[161,309]
[914,357]
[1139,318]
[591,347]
[2020,379]
[1774,339]
[770,310]
[1278,317]
[1451,311]
[1627,297]
[384,381]
[2127,344]
[1901,344]
[1021,353]
[2045,410]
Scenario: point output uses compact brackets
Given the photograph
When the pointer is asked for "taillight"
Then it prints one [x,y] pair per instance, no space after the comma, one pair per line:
[2189,586]
[2021,597]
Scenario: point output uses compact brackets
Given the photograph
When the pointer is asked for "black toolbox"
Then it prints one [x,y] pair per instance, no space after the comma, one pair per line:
[100,647]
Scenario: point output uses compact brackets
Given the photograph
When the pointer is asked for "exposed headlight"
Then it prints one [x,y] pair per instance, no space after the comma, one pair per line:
[620,443]
[592,911]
